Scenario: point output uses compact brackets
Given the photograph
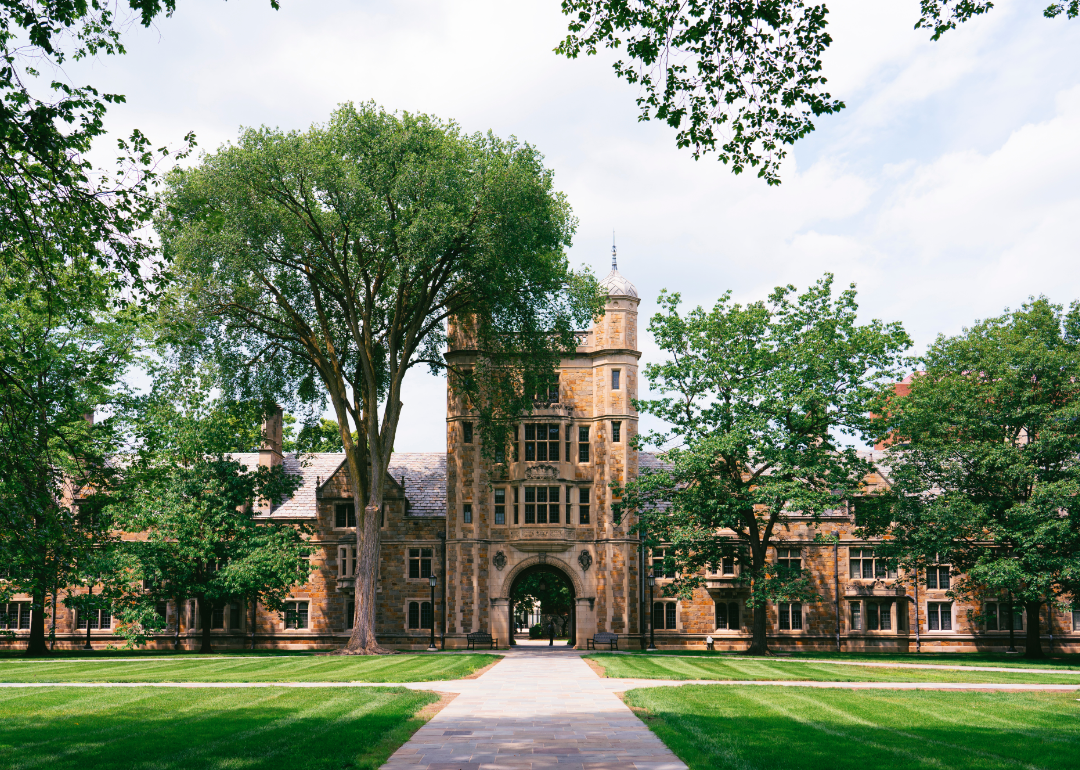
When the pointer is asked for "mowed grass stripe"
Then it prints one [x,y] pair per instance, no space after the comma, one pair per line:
[997,660]
[836,731]
[846,714]
[746,728]
[173,729]
[323,668]
[191,715]
[643,667]
[273,736]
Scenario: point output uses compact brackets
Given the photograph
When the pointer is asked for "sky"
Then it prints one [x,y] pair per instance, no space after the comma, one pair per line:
[948,190]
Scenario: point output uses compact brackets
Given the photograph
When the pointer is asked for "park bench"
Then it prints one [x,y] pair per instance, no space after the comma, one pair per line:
[604,637]
[481,637]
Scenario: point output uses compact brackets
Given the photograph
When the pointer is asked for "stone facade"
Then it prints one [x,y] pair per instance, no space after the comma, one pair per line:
[478,528]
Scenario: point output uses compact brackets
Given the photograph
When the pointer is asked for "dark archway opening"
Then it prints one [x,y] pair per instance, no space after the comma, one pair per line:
[543,593]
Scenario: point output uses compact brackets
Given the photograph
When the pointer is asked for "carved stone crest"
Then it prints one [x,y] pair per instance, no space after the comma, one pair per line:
[499,560]
[542,472]
[585,560]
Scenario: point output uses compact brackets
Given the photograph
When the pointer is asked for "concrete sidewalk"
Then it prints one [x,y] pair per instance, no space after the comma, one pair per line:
[540,707]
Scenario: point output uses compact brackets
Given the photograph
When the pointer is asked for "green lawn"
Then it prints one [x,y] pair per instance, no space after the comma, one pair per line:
[670,667]
[1066,662]
[156,729]
[751,728]
[309,668]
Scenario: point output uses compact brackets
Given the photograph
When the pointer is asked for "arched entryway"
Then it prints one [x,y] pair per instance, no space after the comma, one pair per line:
[551,588]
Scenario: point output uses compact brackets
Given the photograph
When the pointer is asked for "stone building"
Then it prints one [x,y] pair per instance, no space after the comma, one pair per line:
[481,528]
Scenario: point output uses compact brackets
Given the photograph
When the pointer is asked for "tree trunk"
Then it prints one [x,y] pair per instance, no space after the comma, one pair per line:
[206,611]
[37,644]
[759,642]
[1033,645]
[363,641]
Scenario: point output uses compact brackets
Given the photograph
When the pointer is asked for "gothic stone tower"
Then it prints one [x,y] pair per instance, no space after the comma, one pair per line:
[552,507]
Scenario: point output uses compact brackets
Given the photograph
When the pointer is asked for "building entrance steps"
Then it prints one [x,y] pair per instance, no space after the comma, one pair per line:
[540,707]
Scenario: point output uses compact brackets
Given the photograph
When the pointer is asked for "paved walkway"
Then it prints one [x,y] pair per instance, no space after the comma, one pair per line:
[538,708]
[544,707]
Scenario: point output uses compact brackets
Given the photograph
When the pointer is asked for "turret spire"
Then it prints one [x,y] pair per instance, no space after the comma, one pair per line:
[614,265]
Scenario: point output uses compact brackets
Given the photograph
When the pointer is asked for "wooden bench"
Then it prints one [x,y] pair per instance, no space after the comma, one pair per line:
[481,637]
[604,637]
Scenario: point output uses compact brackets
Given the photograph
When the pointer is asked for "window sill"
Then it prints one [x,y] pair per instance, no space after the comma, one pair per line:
[876,634]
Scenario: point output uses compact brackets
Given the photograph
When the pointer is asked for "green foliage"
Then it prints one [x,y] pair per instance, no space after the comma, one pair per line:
[1070,8]
[985,471]
[758,398]
[550,591]
[321,436]
[195,507]
[329,263]
[742,79]
[55,208]
[739,79]
[363,237]
[59,362]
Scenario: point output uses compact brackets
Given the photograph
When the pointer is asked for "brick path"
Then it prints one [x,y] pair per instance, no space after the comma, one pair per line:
[539,708]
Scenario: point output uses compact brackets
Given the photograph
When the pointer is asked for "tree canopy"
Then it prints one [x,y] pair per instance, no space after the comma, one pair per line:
[195,506]
[985,461]
[59,363]
[759,398]
[742,79]
[328,263]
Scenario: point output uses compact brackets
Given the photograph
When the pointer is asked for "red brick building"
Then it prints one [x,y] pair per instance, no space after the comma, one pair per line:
[479,528]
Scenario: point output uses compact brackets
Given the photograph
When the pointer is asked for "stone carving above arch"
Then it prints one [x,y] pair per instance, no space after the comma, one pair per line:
[545,559]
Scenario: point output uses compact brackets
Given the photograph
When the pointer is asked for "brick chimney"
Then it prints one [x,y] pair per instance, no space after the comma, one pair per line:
[900,389]
[270,449]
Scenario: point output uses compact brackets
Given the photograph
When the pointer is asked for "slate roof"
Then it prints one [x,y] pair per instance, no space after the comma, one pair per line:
[650,461]
[424,479]
[423,474]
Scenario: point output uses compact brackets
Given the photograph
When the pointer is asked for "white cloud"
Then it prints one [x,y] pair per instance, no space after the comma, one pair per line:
[946,190]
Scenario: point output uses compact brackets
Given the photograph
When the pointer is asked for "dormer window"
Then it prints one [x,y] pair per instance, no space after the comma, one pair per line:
[344,515]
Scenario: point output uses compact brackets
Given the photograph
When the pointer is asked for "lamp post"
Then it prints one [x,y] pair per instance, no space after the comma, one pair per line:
[1012,625]
[652,626]
[432,580]
[89,625]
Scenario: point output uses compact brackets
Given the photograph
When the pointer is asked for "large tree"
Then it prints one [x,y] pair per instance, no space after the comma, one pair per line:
[741,78]
[195,508]
[758,399]
[59,362]
[331,262]
[984,463]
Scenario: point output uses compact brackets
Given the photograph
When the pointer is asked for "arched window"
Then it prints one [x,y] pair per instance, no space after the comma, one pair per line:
[420,615]
[727,615]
